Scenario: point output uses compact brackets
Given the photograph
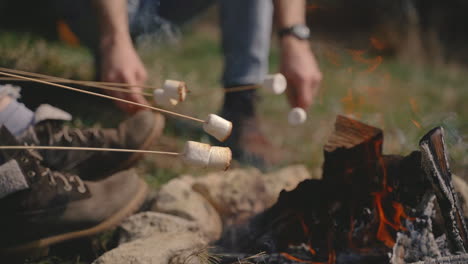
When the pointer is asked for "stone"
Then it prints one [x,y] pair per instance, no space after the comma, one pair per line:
[239,194]
[159,248]
[178,199]
[145,224]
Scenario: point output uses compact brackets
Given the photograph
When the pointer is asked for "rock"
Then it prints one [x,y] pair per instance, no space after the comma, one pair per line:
[178,199]
[461,187]
[145,224]
[285,179]
[241,193]
[159,248]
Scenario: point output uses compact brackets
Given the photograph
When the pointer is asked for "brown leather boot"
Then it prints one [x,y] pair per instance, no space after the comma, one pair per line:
[41,207]
[138,132]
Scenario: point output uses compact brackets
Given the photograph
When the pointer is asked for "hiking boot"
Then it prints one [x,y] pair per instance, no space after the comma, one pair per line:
[248,143]
[41,207]
[138,132]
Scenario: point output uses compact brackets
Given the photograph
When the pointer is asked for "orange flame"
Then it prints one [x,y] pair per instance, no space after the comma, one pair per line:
[377,44]
[416,123]
[383,234]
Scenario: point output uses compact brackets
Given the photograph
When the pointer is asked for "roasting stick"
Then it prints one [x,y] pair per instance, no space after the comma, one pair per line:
[194,154]
[213,125]
[123,90]
[64,80]
[170,95]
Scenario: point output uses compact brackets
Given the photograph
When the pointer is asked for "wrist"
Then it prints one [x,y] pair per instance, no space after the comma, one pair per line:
[110,40]
[291,42]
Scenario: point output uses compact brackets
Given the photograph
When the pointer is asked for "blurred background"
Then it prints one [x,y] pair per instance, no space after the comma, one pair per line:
[397,65]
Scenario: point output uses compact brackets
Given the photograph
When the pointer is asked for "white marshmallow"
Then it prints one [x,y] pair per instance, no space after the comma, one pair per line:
[275,83]
[175,90]
[297,116]
[196,154]
[161,98]
[218,127]
[220,158]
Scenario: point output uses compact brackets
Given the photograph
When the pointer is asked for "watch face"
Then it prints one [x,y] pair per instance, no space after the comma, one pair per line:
[301,31]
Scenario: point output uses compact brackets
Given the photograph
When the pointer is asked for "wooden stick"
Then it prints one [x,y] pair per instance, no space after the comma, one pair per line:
[241,88]
[92,149]
[76,81]
[103,96]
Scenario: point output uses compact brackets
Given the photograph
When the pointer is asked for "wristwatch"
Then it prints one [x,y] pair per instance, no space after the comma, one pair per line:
[299,31]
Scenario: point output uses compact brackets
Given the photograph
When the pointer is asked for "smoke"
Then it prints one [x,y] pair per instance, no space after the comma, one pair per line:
[146,26]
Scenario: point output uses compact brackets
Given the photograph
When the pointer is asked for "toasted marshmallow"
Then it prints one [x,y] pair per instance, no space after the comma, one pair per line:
[175,90]
[196,154]
[218,127]
[160,98]
[275,83]
[220,158]
[297,116]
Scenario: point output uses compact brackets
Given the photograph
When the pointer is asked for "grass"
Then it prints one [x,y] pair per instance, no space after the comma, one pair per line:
[404,99]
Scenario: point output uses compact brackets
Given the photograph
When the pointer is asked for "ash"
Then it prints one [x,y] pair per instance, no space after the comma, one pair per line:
[418,242]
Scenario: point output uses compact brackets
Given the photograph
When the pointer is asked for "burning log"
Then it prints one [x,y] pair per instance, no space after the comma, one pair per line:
[436,166]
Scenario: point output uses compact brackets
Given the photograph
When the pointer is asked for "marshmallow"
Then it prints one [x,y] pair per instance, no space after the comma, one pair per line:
[218,127]
[220,158]
[297,116]
[275,83]
[196,154]
[175,90]
[161,98]
[205,156]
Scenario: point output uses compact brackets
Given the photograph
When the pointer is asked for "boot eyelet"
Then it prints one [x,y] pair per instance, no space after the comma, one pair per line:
[67,188]
[24,160]
[31,174]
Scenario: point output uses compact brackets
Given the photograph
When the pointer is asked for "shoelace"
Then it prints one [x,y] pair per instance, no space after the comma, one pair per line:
[67,186]
[56,175]
[68,134]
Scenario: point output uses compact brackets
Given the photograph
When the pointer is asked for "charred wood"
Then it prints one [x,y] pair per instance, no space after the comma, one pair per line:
[435,164]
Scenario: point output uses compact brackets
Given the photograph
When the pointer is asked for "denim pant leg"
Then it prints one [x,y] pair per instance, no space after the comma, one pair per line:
[246,32]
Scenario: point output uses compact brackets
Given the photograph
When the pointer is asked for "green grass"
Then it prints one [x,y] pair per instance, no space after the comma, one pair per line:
[405,100]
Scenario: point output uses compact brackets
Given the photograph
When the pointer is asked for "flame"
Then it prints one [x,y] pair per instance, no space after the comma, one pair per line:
[414,105]
[377,44]
[358,56]
[66,35]
[383,234]
[416,123]
[331,258]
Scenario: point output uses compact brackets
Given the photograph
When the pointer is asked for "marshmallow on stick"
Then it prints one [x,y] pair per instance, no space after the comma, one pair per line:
[218,127]
[175,90]
[205,156]
[161,98]
[275,83]
[297,116]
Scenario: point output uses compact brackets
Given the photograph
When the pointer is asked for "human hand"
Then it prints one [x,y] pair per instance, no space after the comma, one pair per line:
[120,63]
[301,70]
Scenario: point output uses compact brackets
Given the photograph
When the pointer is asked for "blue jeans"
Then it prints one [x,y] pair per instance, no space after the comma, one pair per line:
[245,25]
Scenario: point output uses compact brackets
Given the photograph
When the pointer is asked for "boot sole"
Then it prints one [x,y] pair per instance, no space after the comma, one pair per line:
[39,247]
[155,133]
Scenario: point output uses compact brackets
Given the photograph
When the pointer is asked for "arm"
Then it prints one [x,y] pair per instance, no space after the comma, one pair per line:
[119,60]
[298,63]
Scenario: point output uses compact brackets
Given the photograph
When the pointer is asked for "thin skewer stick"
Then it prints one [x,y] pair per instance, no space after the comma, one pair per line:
[104,87]
[92,149]
[43,76]
[241,88]
[104,96]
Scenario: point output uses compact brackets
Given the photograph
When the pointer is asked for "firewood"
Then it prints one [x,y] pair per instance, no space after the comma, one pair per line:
[352,146]
[435,164]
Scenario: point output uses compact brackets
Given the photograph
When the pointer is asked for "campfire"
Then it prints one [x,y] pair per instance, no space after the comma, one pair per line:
[367,208]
